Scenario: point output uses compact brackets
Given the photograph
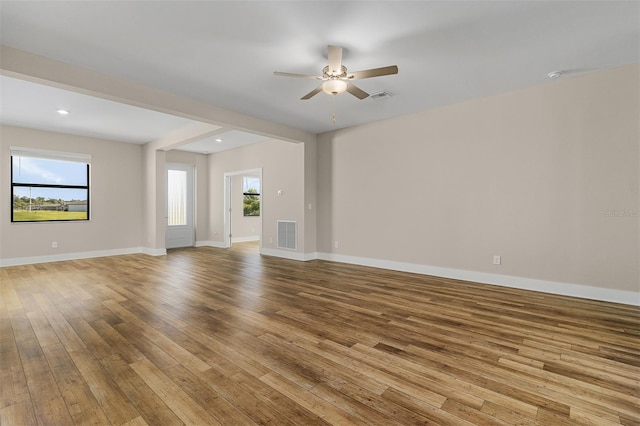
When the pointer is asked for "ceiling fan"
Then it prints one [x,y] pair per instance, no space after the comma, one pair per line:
[336,79]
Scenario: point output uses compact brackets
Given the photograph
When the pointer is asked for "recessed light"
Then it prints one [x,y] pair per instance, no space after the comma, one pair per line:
[555,74]
[63,112]
[218,140]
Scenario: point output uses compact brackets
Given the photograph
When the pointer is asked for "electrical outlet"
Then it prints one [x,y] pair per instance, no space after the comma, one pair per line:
[497,260]
[54,244]
[336,244]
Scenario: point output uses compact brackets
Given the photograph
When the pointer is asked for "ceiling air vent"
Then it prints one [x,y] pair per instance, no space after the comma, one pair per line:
[380,95]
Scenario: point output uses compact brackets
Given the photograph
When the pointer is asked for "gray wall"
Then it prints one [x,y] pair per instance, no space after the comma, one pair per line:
[282,166]
[116,198]
[532,176]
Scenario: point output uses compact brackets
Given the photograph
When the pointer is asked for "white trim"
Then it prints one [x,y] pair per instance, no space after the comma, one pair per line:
[288,254]
[218,244]
[553,287]
[154,252]
[50,155]
[245,239]
[70,256]
[311,256]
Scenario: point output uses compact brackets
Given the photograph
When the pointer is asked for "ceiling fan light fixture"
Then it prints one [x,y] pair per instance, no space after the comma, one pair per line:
[334,87]
[336,79]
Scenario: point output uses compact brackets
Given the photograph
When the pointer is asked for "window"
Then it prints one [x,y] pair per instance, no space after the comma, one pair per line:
[49,186]
[176,197]
[251,192]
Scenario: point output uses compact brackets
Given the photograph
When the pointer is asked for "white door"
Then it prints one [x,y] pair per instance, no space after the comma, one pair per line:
[180,230]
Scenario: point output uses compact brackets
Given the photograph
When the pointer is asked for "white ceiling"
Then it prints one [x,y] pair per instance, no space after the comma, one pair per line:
[28,104]
[224,53]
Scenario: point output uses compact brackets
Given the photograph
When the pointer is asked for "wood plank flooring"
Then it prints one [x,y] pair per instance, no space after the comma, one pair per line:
[210,336]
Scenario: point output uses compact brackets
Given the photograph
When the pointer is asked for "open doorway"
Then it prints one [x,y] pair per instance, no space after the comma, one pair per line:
[243,206]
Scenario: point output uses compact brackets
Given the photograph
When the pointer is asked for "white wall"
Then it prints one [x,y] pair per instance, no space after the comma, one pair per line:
[531,175]
[153,199]
[116,200]
[310,199]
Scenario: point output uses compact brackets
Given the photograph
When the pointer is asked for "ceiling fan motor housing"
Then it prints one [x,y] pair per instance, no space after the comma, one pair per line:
[327,74]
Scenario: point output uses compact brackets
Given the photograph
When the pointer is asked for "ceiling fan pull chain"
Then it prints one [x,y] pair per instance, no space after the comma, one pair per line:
[334,108]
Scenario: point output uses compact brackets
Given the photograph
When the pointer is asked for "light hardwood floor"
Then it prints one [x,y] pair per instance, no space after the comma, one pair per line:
[210,336]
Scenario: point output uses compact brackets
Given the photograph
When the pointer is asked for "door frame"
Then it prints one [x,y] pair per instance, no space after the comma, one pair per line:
[190,169]
[227,202]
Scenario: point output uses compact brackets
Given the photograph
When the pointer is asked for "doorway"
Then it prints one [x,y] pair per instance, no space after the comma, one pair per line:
[243,206]
[180,218]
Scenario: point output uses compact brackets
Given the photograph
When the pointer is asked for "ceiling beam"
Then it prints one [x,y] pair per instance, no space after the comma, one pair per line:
[191,133]
[39,69]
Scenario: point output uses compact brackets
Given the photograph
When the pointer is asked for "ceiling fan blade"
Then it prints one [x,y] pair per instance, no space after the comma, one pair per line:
[291,74]
[374,72]
[335,60]
[312,93]
[356,91]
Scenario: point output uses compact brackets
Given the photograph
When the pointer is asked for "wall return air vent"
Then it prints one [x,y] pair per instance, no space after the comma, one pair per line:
[287,234]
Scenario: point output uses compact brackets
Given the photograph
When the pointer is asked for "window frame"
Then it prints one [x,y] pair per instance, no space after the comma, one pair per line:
[55,156]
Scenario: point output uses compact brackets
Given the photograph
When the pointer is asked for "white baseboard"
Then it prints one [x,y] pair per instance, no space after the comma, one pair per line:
[71,256]
[218,244]
[154,252]
[288,254]
[245,239]
[565,289]
[552,287]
